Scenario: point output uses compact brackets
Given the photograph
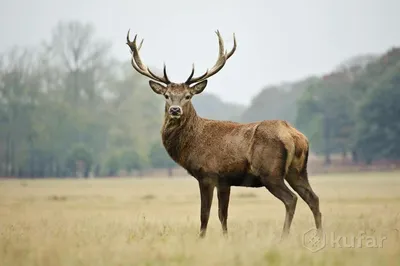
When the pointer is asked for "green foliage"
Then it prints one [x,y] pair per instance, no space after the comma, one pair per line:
[377,135]
[79,154]
[210,106]
[131,160]
[325,114]
[309,118]
[113,165]
[355,109]
[123,159]
[276,102]
[159,157]
[69,103]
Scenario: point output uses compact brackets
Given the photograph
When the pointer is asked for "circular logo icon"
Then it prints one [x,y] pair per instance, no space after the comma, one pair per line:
[314,241]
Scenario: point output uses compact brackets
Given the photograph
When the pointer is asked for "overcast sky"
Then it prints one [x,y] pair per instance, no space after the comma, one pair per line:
[277,40]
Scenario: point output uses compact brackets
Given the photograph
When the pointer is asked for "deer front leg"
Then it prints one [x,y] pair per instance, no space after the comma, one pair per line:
[206,197]
[223,203]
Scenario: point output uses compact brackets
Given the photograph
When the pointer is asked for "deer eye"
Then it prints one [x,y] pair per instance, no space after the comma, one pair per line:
[187,97]
[166,96]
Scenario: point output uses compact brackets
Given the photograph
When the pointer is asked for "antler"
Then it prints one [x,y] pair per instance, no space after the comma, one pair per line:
[138,65]
[222,58]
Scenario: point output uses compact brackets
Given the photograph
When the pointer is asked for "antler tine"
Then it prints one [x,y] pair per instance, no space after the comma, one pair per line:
[166,80]
[165,73]
[190,80]
[191,74]
[222,57]
[138,65]
[140,45]
[233,49]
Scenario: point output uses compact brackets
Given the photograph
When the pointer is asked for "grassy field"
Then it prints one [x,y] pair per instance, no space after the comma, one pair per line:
[156,222]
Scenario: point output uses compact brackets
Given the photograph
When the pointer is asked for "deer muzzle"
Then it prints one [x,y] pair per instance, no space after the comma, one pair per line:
[175,111]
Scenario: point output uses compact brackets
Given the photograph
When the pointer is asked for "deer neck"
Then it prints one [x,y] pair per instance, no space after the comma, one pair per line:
[177,134]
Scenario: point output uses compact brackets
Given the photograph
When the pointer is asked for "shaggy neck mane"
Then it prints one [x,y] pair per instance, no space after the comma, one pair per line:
[177,134]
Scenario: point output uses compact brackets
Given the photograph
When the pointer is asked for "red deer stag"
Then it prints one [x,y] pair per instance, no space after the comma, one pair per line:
[222,154]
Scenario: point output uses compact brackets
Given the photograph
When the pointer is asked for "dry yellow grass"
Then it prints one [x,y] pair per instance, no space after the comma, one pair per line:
[156,222]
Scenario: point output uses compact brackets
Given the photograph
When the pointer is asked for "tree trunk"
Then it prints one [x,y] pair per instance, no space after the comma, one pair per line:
[12,156]
[326,135]
[344,155]
[169,172]
[354,156]
[8,155]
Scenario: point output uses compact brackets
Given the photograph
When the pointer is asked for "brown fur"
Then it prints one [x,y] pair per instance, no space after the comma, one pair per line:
[222,154]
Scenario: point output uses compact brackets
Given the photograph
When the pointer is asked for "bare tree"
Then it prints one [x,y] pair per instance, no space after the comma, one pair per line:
[83,58]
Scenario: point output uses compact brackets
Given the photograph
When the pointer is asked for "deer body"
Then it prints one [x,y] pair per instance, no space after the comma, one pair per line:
[233,154]
[222,154]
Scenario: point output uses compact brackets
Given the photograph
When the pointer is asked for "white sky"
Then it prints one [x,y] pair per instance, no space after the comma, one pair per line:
[277,40]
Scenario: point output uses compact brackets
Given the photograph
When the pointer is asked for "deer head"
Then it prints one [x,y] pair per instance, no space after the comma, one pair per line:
[177,95]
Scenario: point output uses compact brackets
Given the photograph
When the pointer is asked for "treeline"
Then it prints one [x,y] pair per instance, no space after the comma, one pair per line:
[356,109]
[353,111]
[69,108]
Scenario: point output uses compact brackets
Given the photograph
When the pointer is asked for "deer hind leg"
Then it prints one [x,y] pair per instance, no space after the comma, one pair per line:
[206,197]
[278,188]
[300,184]
[223,203]
[271,165]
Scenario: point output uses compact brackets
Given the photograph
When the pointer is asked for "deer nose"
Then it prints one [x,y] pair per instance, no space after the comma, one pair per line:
[175,110]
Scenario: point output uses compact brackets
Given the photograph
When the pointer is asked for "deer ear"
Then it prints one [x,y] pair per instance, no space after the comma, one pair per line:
[157,87]
[199,87]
